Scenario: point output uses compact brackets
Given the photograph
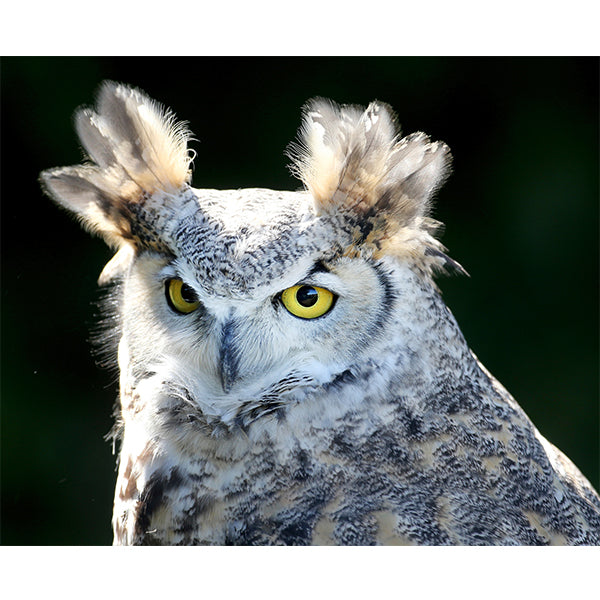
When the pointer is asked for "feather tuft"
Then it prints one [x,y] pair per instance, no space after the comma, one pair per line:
[135,132]
[137,149]
[350,159]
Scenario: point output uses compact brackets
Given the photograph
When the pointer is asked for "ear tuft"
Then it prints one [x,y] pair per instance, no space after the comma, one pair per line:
[354,161]
[133,131]
[98,199]
[138,149]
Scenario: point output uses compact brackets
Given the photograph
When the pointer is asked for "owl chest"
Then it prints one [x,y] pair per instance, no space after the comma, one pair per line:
[315,486]
[282,481]
[378,472]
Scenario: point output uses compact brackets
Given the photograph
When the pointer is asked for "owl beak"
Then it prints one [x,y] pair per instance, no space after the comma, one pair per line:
[228,356]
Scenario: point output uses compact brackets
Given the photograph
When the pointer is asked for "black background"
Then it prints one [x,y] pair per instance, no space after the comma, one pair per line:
[521,215]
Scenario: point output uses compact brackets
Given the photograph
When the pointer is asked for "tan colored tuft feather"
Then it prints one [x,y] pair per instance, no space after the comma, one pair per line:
[354,160]
[135,132]
[138,149]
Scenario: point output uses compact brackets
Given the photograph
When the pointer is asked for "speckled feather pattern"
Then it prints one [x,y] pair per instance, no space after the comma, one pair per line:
[241,424]
[428,461]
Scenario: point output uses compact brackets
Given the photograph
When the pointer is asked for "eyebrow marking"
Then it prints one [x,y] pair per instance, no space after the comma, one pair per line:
[318,267]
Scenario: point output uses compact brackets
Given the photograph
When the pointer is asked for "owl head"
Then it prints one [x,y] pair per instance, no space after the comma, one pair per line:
[250,299]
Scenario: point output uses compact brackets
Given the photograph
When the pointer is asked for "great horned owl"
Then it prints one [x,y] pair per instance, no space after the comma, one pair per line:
[289,371]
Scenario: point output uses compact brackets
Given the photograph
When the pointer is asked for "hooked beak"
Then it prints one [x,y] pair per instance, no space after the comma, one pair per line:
[228,356]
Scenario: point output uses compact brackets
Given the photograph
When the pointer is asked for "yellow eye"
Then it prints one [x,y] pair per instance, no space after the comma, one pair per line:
[307,302]
[181,297]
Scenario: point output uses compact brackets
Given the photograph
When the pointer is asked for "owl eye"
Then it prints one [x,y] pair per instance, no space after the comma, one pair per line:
[307,302]
[181,297]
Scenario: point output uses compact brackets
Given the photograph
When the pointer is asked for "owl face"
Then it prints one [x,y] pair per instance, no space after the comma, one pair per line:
[255,298]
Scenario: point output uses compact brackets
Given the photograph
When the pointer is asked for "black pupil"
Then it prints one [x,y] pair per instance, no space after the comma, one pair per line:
[307,296]
[188,294]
